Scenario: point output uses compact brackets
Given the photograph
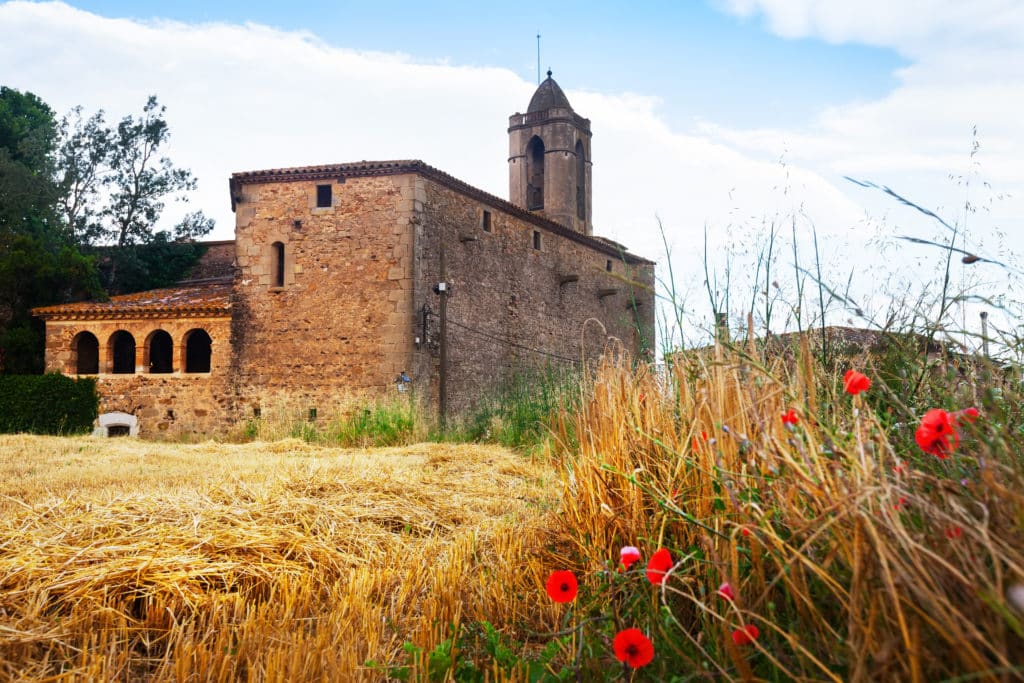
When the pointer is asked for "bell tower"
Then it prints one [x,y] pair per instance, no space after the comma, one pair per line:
[549,159]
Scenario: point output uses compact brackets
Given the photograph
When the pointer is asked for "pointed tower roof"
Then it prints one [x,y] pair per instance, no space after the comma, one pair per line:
[548,95]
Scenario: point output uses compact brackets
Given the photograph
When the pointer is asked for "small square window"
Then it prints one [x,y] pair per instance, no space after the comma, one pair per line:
[608,265]
[323,196]
[486,223]
[536,239]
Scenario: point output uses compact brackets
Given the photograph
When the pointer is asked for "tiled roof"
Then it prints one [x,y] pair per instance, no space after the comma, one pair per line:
[208,298]
[361,169]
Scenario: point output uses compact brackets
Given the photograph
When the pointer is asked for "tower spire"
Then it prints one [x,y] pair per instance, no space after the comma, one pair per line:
[538,59]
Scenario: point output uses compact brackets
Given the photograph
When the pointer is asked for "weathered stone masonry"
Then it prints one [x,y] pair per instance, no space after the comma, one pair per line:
[332,290]
[176,399]
[340,322]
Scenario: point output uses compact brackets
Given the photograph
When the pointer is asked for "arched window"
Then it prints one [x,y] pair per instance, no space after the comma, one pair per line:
[122,353]
[85,351]
[535,174]
[277,263]
[197,351]
[160,352]
[581,182]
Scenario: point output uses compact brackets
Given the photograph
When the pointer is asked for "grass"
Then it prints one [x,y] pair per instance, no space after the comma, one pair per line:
[350,421]
[857,556]
[124,560]
[517,414]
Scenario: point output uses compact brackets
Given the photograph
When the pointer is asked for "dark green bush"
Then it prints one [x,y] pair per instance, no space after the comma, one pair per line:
[47,404]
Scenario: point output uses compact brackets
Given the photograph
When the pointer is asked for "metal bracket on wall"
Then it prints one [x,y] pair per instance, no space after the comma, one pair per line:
[566,279]
[611,291]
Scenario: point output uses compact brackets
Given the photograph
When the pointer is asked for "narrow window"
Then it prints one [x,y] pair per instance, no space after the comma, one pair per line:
[122,349]
[160,352]
[608,265]
[198,347]
[486,224]
[536,239]
[535,174]
[312,414]
[323,196]
[277,263]
[86,350]
[256,412]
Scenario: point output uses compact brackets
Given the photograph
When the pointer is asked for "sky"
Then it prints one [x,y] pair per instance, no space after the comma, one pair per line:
[714,120]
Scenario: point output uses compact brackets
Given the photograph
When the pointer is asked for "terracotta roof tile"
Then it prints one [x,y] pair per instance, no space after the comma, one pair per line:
[212,298]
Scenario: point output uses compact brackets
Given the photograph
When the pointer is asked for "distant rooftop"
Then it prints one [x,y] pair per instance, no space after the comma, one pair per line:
[201,298]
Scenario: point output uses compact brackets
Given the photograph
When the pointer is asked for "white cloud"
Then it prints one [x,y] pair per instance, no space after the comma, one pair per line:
[911,26]
[245,97]
[966,73]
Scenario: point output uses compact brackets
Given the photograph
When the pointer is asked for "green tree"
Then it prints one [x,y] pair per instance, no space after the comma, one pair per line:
[114,186]
[39,262]
[27,139]
[140,180]
[81,173]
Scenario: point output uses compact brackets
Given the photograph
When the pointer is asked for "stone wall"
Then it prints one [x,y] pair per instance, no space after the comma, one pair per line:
[217,261]
[514,307]
[330,304]
[171,404]
[340,323]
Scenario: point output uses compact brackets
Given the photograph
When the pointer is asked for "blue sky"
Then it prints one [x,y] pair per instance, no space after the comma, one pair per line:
[717,118]
[680,51]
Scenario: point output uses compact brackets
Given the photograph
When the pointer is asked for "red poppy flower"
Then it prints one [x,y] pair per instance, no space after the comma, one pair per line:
[629,555]
[745,635]
[937,434]
[745,531]
[954,533]
[968,414]
[562,586]
[658,566]
[855,382]
[633,647]
[725,590]
[790,417]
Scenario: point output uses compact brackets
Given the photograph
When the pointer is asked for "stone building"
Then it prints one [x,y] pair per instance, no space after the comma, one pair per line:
[338,278]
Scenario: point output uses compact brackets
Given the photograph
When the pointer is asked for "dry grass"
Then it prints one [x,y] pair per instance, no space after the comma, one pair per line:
[127,560]
[846,566]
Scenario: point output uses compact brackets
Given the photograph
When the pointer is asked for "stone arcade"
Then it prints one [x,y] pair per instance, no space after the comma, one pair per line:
[329,290]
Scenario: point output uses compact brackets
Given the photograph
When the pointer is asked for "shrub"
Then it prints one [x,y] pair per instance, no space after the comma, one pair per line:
[47,404]
[521,413]
[387,423]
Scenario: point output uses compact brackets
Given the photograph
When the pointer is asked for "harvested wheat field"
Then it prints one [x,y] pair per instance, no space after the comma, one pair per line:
[128,560]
